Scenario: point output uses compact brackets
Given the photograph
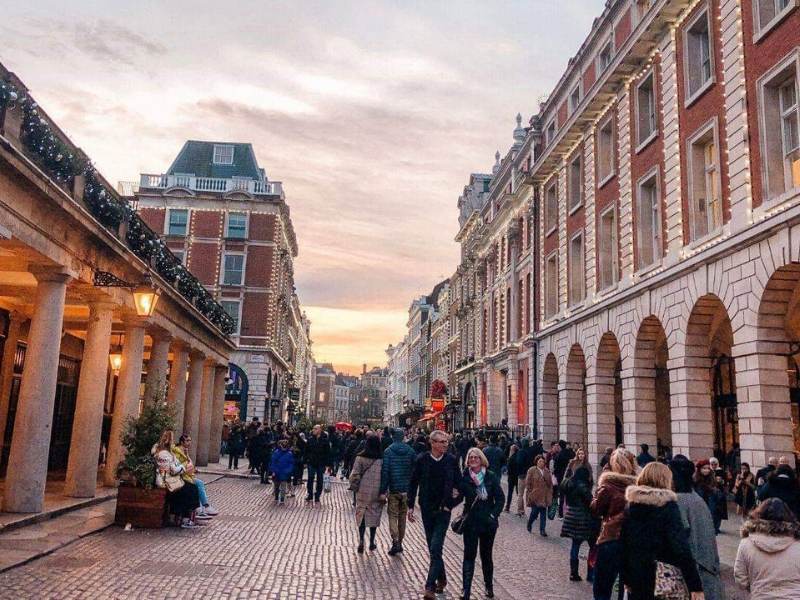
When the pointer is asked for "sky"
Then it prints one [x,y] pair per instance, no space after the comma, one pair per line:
[372,114]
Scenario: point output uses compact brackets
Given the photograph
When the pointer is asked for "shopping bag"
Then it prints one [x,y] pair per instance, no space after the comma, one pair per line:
[326,483]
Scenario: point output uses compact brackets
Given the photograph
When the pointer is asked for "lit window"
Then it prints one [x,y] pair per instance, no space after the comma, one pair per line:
[577,274]
[233,270]
[699,55]
[574,99]
[705,202]
[551,285]
[575,183]
[232,307]
[607,241]
[646,109]
[237,225]
[223,154]
[177,221]
[551,208]
[605,150]
[780,123]
[604,57]
[769,12]
[648,221]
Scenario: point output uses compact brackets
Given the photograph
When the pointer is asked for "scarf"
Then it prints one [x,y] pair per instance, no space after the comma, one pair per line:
[478,479]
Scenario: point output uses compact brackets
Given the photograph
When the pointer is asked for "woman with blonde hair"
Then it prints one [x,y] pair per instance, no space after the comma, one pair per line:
[183,497]
[655,543]
[483,503]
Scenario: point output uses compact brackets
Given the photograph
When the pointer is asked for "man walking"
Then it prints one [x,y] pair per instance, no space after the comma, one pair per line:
[435,477]
[398,463]
[318,456]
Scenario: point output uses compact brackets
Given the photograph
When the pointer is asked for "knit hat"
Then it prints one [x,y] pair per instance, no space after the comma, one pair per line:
[703,463]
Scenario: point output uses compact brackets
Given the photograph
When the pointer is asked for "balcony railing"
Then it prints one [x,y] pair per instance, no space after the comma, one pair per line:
[211,184]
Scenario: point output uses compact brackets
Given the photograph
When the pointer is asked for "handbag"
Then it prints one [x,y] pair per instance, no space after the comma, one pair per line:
[458,523]
[326,483]
[173,483]
[670,584]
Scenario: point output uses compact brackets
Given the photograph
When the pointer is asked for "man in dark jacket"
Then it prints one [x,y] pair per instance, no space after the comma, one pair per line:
[560,464]
[644,457]
[435,478]
[495,456]
[318,456]
[525,458]
[398,463]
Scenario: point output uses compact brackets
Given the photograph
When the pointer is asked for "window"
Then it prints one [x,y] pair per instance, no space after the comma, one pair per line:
[551,285]
[648,221]
[223,154]
[237,225]
[705,201]
[550,133]
[769,12]
[780,129]
[608,249]
[232,307]
[233,269]
[179,254]
[605,56]
[646,110]
[551,208]
[575,184]
[577,273]
[699,56]
[177,221]
[605,151]
[575,99]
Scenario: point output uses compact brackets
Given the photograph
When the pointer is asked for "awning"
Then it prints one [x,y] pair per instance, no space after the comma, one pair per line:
[430,415]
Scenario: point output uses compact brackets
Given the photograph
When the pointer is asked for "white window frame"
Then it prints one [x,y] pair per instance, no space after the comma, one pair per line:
[692,96]
[548,210]
[760,30]
[572,102]
[246,224]
[766,141]
[573,301]
[219,155]
[614,258]
[712,126]
[553,256]
[167,222]
[238,303]
[599,67]
[643,143]
[244,268]
[608,121]
[570,187]
[658,225]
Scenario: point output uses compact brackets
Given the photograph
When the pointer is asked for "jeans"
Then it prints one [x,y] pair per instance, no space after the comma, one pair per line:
[297,474]
[575,549]
[436,525]
[608,566]
[201,490]
[280,488]
[317,472]
[397,509]
[535,512]
[471,542]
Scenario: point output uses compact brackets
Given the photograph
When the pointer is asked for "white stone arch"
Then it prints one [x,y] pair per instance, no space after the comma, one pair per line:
[572,398]
[548,398]
[601,395]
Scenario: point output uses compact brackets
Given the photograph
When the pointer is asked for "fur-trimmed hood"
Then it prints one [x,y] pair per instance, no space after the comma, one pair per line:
[772,528]
[642,494]
[617,480]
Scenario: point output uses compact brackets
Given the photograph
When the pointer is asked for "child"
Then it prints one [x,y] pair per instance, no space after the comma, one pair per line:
[281,465]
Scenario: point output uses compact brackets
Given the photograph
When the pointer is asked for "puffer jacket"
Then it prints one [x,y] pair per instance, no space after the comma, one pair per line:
[609,504]
[768,561]
[282,464]
[496,458]
[578,521]
[398,464]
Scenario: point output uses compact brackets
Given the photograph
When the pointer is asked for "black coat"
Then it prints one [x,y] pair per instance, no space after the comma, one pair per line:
[785,489]
[318,451]
[483,514]
[653,531]
[579,524]
[434,482]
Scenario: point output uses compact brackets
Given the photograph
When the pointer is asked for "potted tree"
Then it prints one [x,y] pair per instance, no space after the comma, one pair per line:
[139,502]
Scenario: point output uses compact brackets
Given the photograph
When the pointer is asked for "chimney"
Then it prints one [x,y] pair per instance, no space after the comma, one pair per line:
[364,369]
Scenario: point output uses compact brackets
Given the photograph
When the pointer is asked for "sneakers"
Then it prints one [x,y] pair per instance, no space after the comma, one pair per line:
[210,510]
[187,524]
[203,516]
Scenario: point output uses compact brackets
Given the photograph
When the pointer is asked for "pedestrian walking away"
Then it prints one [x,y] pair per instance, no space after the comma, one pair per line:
[398,464]
[365,481]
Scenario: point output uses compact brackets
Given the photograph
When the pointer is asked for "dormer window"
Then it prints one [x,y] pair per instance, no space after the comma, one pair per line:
[223,154]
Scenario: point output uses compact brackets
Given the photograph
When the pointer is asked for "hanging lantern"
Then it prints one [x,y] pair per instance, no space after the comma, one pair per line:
[115,357]
[145,298]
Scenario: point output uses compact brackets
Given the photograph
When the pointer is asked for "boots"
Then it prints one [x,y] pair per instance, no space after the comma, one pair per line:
[467,571]
[573,570]
[488,577]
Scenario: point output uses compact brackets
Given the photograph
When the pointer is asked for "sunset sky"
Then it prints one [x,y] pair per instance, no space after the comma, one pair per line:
[372,114]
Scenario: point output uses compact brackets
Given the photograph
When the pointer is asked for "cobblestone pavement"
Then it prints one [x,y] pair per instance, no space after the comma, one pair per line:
[257,550]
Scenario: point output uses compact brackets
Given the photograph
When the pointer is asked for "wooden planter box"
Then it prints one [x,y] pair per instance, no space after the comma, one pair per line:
[140,507]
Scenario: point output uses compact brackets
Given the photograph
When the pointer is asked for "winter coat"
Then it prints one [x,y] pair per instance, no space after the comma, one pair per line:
[652,531]
[236,440]
[768,561]
[282,464]
[398,464]
[367,472]
[435,481]
[703,543]
[561,462]
[513,472]
[483,514]
[578,521]
[318,451]
[496,458]
[538,487]
[785,489]
[609,503]
[744,491]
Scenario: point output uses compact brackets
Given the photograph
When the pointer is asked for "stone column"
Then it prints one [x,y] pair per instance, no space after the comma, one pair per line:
[194,387]
[510,393]
[127,399]
[513,239]
[30,445]
[217,413]
[176,391]
[570,406]
[639,406]
[600,411]
[7,373]
[87,426]
[690,398]
[206,405]
[155,383]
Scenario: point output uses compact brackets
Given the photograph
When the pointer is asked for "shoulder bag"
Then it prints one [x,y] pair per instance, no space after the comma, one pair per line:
[355,482]
[670,584]
[458,524]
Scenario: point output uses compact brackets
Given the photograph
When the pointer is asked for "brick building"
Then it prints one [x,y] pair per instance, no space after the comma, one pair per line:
[230,225]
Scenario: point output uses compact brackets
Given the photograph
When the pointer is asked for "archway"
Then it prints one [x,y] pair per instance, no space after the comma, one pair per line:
[649,410]
[604,398]
[572,408]
[548,405]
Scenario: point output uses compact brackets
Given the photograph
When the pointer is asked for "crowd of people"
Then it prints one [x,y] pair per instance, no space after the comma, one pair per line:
[649,522]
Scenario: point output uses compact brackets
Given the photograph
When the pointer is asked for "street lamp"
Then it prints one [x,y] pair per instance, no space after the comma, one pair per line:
[115,357]
[145,294]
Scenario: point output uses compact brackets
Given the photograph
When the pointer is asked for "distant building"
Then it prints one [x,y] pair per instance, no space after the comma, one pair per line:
[323,406]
